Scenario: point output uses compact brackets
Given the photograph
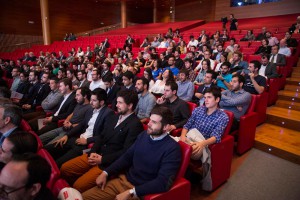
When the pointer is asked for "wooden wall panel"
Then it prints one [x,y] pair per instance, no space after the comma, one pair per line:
[203,10]
[267,9]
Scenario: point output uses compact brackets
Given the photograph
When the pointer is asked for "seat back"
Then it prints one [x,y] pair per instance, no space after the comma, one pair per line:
[25,126]
[55,173]
[192,106]
[186,151]
[40,144]
[251,107]
[228,127]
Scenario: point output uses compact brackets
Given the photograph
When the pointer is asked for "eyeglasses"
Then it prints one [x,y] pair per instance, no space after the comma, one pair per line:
[4,194]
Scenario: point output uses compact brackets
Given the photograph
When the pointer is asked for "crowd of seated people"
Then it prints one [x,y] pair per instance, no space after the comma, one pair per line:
[99,92]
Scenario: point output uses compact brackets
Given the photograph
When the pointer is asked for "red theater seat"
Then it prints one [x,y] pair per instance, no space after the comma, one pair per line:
[181,187]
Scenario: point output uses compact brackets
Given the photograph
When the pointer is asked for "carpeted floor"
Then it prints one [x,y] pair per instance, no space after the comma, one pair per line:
[263,177]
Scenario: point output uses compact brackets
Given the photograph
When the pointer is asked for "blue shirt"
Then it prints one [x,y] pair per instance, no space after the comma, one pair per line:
[5,135]
[227,78]
[175,70]
[212,125]
[155,73]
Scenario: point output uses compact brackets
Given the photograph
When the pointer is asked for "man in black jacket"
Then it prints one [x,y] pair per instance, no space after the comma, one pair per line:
[86,132]
[119,133]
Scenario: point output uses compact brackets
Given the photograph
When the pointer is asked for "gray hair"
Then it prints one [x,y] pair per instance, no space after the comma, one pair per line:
[13,112]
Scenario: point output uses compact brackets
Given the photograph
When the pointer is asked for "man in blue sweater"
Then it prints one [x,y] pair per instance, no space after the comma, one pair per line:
[151,164]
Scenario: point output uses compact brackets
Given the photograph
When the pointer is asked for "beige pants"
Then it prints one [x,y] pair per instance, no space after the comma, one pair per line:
[111,190]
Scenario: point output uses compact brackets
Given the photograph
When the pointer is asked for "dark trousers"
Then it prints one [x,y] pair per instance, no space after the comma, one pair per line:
[66,152]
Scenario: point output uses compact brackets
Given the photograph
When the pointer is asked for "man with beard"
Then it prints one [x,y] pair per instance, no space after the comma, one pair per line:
[224,78]
[87,131]
[209,120]
[82,97]
[151,164]
[236,100]
[83,82]
[146,99]
[119,133]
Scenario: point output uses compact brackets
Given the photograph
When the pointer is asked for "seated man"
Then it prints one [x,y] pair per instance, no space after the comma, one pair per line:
[209,120]
[119,133]
[151,164]
[267,69]
[17,143]
[26,175]
[185,86]
[128,81]
[224,78]
[277,58]
[236,100]
[83,105]
[16,77]
[146,100]
[209,79]
[284,50]
[179,108]
[49,103]
[96,80]
[254,83]
[83,82]
[238,66]
[76,140]
[63,110]
[10,120]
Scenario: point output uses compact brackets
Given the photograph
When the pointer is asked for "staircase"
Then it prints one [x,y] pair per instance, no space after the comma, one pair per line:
[280,135]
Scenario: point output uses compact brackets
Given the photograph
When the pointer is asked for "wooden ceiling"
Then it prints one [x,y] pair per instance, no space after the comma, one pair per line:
[24,17]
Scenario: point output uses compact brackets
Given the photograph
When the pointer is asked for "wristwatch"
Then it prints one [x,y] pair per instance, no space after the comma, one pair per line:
[131,192]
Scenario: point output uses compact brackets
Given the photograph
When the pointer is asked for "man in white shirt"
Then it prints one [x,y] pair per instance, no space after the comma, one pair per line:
[284,50]
[192,42]
[96,80]
[86,132]
[207,55]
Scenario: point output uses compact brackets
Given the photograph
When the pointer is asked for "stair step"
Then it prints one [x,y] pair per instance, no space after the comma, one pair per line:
[289,95]
[295,75]
[293,81]
[278,141]
[288,104]
[293,88]
[283,117]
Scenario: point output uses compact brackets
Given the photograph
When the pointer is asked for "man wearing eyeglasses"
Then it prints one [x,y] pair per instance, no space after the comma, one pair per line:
[25,178]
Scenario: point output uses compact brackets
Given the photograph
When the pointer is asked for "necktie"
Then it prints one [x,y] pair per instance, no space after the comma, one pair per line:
[272,59]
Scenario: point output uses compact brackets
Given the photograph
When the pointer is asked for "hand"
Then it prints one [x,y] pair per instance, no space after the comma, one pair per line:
[220,77]
[81,141]
[182,138]
[101,180]
[67,124]
[161,100]
[240,108]
[197,147]
[123,196]
[251,76]
[61,141]
[171,128]
[94,159]
[47,120]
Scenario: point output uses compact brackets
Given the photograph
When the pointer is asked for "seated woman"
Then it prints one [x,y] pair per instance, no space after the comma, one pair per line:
[182,47]
[156,69]
[249,36]
[159,86]
[222,60]
[149,62]
[200,77]
[79,52]
[149,77]
[264,48]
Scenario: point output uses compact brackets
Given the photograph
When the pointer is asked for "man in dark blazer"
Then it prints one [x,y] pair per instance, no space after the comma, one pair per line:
[10,120]
[118,135]
[112,90]
[277,58]
[63,110]
[105,72]
[39,93]
[268,69]
[86,132]
[83,82]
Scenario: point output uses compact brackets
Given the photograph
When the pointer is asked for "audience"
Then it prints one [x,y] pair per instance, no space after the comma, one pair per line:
[276,57]
[185,86]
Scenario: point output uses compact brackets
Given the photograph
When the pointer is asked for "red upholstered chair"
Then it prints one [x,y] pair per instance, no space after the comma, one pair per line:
[55,173]
[40,144]
[246,132]
[253,57]
[221,156]
[181,187]
[25,126]
[273,85]
[261,107]
[58,186]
